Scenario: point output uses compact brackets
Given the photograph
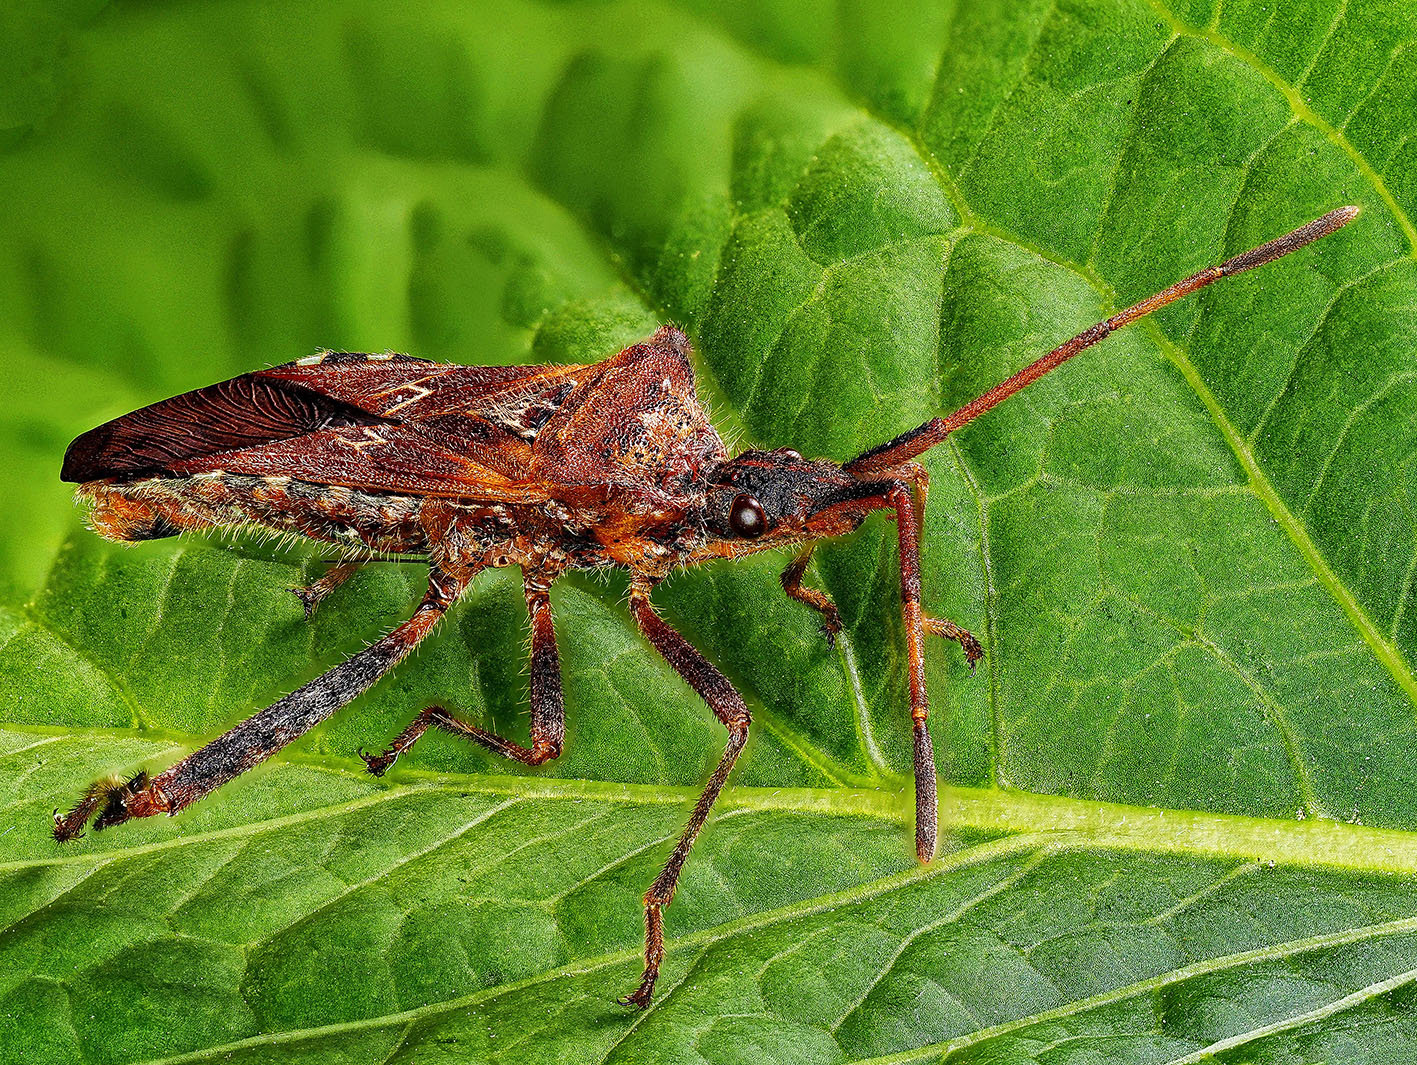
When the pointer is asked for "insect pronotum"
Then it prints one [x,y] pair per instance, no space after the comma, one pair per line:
[544,467]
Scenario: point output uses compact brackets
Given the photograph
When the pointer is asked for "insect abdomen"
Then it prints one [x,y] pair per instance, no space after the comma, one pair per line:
[165,506]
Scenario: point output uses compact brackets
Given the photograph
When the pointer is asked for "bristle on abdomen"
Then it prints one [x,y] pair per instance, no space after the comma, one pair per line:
[156,507]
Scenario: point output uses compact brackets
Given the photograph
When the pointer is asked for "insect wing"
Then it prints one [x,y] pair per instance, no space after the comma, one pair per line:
[382,422]
[518,398]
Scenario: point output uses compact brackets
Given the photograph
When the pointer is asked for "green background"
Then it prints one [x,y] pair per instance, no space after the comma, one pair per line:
[1181,792]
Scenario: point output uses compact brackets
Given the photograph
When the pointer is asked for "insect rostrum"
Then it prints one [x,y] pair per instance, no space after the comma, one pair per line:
[544,467]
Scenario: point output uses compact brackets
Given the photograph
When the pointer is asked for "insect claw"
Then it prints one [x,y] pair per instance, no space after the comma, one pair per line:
[70,826]
[308,599]
[641,997]
[63,832]
[378,764]
[312,595]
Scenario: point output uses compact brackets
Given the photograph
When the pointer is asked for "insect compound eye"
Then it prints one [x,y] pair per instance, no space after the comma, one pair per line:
[746,518]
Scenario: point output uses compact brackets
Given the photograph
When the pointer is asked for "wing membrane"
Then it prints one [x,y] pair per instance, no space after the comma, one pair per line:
[395,423]
[243,412]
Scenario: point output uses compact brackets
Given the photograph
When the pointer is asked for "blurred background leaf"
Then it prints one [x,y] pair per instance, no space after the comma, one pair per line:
[1190,555]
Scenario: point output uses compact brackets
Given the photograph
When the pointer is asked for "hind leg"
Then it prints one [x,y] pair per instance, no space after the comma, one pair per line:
[261,735]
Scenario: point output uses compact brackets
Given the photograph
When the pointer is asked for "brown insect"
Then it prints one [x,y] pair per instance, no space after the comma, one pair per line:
[543,467]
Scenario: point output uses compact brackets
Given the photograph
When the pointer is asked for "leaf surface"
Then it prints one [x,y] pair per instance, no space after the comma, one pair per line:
[1180,804]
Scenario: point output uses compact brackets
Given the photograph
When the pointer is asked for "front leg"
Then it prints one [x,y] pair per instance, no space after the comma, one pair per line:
[548,712]
[262,734]
[728,706]
[818,601]
[907,516]
[973,652]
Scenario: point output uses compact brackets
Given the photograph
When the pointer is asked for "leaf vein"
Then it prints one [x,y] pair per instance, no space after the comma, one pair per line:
[1358,997]
[387,870]
[1300,108]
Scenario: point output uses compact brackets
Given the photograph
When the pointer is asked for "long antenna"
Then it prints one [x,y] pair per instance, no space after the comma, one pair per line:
[923,437]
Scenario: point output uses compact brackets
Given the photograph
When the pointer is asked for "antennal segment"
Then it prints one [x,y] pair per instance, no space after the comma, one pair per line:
[923,437]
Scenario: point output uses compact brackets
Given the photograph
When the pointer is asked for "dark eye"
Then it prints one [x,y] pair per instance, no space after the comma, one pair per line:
[747,518]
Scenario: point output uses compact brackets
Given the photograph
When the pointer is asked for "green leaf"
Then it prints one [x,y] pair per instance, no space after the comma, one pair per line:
[1180,809]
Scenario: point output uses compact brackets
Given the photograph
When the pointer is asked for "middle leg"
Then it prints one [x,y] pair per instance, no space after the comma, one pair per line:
[548,712]
[724,700]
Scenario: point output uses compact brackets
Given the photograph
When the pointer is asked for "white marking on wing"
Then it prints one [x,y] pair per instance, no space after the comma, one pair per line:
[419,392]
[371,437]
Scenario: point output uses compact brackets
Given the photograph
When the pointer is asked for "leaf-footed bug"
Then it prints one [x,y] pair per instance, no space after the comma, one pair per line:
[611,464]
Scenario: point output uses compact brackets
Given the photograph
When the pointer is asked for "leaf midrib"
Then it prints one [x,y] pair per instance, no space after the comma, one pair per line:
[1307,843]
